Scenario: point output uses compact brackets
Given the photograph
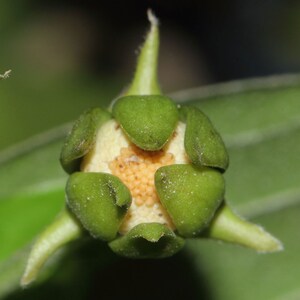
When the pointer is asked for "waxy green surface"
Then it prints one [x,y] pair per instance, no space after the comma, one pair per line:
[100,201]
[149,121]
[82,138]
[202,142]
[190,195]
[148,240]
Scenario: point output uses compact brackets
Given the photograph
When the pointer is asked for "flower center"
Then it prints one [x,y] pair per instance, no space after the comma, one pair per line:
[113,153]
[136,168]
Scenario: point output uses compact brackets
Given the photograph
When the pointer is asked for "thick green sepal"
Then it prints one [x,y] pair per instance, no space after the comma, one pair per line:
[190,195]
[100,201]
[202,142]
[149,121]
[229,227]
[81,138]
[148,240]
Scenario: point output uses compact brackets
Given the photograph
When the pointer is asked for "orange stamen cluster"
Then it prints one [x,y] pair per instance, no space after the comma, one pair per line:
[136,168]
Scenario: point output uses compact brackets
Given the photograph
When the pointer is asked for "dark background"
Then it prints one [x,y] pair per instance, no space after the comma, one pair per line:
[66,56]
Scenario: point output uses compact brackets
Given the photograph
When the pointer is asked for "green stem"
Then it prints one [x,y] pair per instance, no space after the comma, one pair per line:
[63,230]
[145,78]
[228,227]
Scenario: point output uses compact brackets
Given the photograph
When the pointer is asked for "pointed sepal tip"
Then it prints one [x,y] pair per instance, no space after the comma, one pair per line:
[145,80]
[63,230]
[229,227]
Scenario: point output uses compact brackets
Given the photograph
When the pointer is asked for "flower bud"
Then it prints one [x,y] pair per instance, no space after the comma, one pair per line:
[202,142]
[81,138]
[100,201]
[141,180]
[148,240]
[148,121]
[190,195]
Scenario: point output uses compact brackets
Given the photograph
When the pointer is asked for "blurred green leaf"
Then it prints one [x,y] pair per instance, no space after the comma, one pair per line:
[32,189]
[236,273]
[59,100]
[260,122]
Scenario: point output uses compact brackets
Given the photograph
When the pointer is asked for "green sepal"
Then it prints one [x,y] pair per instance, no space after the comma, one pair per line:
[145,78]
[81,138]
[202,142]
[100,201]
[148,240]
[229,227]
[190,195]
[149,121]
[64,229]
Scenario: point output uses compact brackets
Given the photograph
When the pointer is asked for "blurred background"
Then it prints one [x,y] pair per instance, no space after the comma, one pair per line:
[68,55]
